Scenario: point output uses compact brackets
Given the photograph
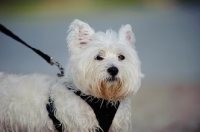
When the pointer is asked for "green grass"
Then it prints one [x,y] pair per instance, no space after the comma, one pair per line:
[34,6]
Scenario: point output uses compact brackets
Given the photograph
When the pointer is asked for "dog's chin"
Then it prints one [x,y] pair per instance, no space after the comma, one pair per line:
[109,89]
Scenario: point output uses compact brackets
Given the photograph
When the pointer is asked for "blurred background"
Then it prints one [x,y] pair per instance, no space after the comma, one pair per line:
[168,44]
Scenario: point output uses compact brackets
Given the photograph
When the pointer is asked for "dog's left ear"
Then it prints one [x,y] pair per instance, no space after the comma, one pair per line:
[126,33]
[79,35]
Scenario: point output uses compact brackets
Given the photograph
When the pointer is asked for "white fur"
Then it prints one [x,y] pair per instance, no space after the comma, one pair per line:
[23,98]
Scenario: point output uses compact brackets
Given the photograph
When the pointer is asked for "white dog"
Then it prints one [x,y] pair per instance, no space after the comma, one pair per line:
[104,66]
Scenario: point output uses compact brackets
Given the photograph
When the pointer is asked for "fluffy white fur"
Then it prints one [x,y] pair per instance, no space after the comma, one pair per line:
[23,98]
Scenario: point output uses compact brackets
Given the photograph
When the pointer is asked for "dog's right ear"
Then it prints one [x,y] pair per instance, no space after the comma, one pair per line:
[126,33]
[79,35]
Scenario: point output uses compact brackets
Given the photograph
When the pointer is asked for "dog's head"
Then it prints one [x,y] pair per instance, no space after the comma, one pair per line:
[104,65]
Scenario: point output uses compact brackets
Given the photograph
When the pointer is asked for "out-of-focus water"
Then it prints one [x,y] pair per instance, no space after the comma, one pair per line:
[168,41]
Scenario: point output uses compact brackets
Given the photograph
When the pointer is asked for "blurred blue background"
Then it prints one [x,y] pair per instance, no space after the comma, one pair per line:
[168,44]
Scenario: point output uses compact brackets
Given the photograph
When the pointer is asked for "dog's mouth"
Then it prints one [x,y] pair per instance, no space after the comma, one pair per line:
[112,79]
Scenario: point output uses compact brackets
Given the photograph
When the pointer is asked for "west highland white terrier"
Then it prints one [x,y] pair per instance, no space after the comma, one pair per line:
[102,66]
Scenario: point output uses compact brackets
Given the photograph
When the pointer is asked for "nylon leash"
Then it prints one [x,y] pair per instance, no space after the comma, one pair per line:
[49,59]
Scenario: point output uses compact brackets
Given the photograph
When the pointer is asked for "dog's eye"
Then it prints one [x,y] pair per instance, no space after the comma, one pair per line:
[121,57]
[99,58]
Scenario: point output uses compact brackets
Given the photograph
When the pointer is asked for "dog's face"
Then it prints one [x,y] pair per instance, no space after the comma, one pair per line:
[104,65]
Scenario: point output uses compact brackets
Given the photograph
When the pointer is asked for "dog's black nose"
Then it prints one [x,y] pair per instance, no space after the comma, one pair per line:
[112,70]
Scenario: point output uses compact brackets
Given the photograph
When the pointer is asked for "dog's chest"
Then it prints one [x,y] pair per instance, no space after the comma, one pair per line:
[74,112]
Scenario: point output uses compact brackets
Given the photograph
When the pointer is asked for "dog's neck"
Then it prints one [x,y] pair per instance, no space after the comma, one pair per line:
[103,109]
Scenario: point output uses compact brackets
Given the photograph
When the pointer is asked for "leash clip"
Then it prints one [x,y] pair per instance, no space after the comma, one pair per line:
[52,62]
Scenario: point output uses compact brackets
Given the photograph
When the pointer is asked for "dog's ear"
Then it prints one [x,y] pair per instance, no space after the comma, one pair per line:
[126,33]
[79,35]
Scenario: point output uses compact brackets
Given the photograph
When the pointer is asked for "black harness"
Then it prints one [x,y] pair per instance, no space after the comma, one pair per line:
[103,110]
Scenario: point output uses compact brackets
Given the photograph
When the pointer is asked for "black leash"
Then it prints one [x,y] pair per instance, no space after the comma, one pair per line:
[43,55]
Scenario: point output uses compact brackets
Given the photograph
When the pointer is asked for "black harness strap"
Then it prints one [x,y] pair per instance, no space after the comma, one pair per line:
[104,111]
[51,109]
